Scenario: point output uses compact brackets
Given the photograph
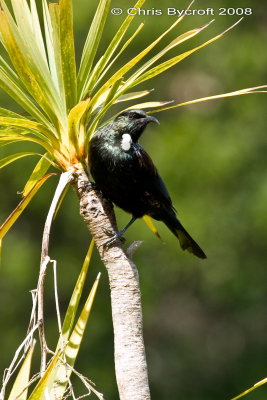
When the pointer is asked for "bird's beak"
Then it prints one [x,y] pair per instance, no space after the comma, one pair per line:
[149,118]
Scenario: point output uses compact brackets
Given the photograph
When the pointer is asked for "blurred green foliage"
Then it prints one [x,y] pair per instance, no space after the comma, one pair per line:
[205,321]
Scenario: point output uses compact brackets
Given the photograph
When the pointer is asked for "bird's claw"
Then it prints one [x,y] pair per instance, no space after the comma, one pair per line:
[86,185]
[114,237]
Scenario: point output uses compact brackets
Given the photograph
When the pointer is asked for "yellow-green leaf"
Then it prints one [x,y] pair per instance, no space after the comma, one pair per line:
[73,346]
[12,218]
[33,73]
[133,96]
[257,385]
[91,45]
[68,52]
[13,157]
[75,298]
[74,120]
[47,381]
[105,59]
[151,73]
[19,389]
[40,169]
[180,39]
[130,64]
[252,90]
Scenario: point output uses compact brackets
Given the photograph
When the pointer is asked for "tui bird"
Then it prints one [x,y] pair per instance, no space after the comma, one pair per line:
[126,175]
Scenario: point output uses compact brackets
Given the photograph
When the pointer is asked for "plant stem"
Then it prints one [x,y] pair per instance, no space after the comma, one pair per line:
[65,178]
[130,358]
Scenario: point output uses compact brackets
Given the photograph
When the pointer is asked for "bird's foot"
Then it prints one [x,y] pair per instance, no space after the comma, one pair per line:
[114,237]
[86,185]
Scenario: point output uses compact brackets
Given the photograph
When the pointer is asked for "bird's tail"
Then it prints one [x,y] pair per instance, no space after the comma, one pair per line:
[186,241]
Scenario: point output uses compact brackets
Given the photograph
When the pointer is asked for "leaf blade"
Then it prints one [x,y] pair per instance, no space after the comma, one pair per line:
[14,157]
[68,53]
[38,172]
[19,389]
[12,218]
[91,45]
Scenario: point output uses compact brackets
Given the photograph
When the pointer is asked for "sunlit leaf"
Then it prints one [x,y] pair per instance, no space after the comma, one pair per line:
[40,169]
[114,59]
[147,66]
[13,157]
[9,113]
[91,45]
[151,73]
[36,127]
[252,90]
[73,346]
[47,381]
[51,15]
[133,95]
[74,120]
[68,52]
[32,70]
[11,87]
[130,64]
[105,59]
[257,385]
[12,218]
[75,298]
[19,389]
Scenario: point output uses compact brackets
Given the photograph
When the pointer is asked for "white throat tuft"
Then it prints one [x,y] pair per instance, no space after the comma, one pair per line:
[126,142]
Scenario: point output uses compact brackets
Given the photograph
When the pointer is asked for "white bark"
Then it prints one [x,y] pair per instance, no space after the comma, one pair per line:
[130,359]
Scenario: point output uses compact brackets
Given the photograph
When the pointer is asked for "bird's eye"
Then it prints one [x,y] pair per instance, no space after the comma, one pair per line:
[134,115]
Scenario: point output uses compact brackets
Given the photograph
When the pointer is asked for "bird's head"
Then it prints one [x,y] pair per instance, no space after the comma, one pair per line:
[133,123]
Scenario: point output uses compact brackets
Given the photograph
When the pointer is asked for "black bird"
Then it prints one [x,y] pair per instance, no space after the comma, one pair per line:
[126,175]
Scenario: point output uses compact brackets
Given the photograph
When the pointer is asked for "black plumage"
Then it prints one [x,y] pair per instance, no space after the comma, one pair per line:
[126,175]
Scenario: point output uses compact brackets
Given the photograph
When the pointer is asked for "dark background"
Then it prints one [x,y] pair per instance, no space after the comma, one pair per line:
[205,322]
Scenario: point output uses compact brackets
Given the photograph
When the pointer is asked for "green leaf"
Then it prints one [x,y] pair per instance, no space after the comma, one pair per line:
[11,87]
[29,27]
[148,104]
[133,96]
[74,121]
[130,64]
[47,381]
[68,52]
[9,113]
[114,59]
[173,61]
[140,106]
[40,169]
[75,298]
[180,39]
[105,59]
[29,125]
[32,70]
[252,90]
[73,346]
[257,385]
[20,390]
[36,27]
[9,137]
[12,218]
[13,157]
[52,33]
[91,45]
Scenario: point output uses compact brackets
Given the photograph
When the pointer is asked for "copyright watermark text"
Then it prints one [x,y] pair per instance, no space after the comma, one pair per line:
[179,12]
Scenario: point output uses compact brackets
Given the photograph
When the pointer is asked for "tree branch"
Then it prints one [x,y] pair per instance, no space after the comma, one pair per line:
[130,359]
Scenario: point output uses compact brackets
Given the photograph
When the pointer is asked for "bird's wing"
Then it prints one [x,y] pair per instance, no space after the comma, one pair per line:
[154,188]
